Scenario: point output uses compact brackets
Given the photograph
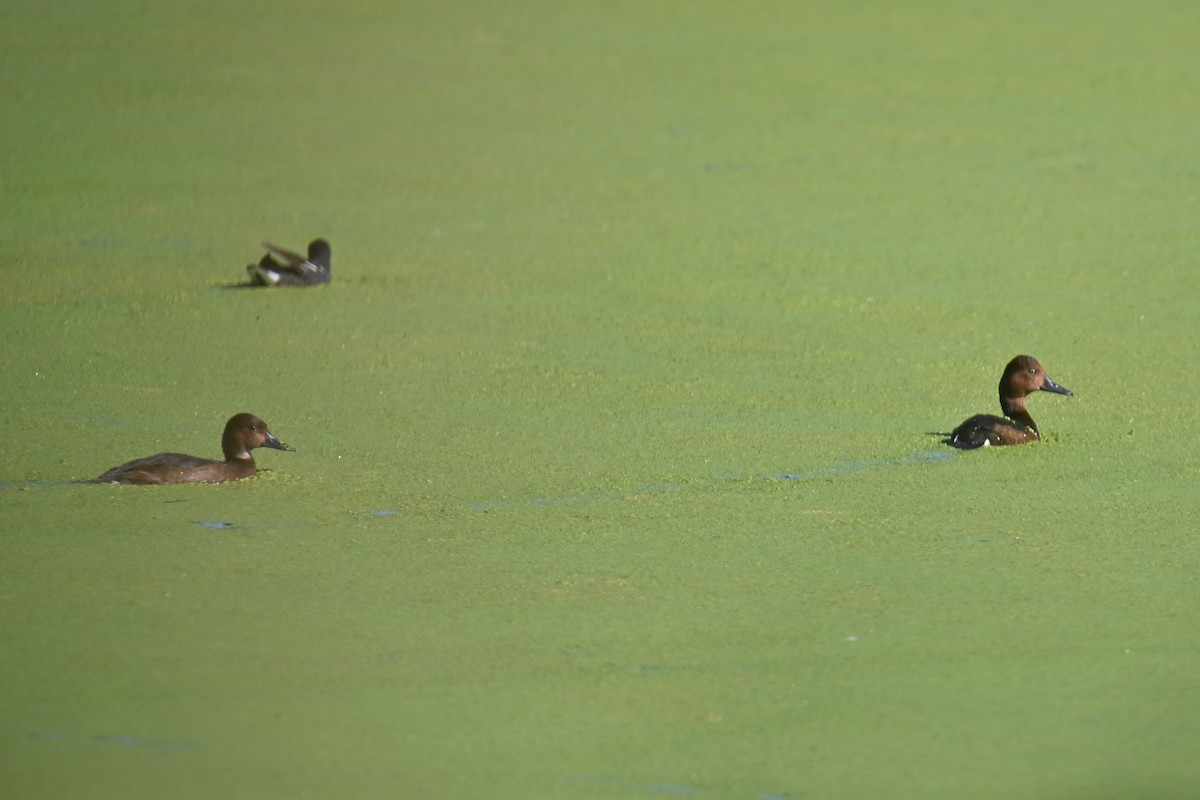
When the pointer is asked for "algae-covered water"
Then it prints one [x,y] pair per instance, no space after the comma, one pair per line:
[619,467]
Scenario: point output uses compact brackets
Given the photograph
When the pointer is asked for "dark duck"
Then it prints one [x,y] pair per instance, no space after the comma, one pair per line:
[1023,376]
[243,433]
[294,269]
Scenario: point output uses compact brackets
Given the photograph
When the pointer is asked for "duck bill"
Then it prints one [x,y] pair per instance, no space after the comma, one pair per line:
[1050,385]
[275,444]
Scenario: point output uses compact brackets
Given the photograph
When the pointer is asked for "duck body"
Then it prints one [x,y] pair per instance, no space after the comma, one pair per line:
[1023,376]
[243,433]
[986,430]
[294,269]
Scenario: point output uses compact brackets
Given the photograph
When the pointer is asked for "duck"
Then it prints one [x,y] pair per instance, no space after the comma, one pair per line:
[296,270]
[1023,376]
[243,433]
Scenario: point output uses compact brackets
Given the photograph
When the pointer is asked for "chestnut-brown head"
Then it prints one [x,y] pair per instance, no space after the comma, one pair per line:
[1025,375]
[243,433]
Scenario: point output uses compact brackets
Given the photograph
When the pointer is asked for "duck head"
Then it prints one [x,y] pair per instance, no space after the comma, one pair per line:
[243,433]
[1023,376]
[321,254]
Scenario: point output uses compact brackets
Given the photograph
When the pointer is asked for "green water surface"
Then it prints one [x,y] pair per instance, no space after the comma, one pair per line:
[619,468]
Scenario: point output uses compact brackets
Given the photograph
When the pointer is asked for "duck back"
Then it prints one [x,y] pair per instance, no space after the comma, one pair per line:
[176,468]
[987,430]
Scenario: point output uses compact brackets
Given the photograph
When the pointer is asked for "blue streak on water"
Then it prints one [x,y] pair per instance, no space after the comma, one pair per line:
[487,505]
[24,484]
[153,745]
[847,468]
[648,670]
[629,788]
[651,488]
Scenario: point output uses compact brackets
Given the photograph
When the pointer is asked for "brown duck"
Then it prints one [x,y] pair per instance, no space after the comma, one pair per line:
[1023,376]
[243,433]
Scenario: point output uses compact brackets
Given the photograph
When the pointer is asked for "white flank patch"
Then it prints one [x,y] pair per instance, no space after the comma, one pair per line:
[267,275]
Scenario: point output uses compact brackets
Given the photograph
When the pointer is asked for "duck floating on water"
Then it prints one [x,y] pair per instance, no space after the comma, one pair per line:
[296,270]
[1023,376]
[243,433]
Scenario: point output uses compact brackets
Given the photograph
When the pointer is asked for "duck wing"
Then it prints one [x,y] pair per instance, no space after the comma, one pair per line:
[292,261]
[986,430]
[159,468]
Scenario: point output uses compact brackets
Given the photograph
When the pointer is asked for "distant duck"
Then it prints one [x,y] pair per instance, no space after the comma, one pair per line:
[1024,375]
[296,270]
[243,433]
